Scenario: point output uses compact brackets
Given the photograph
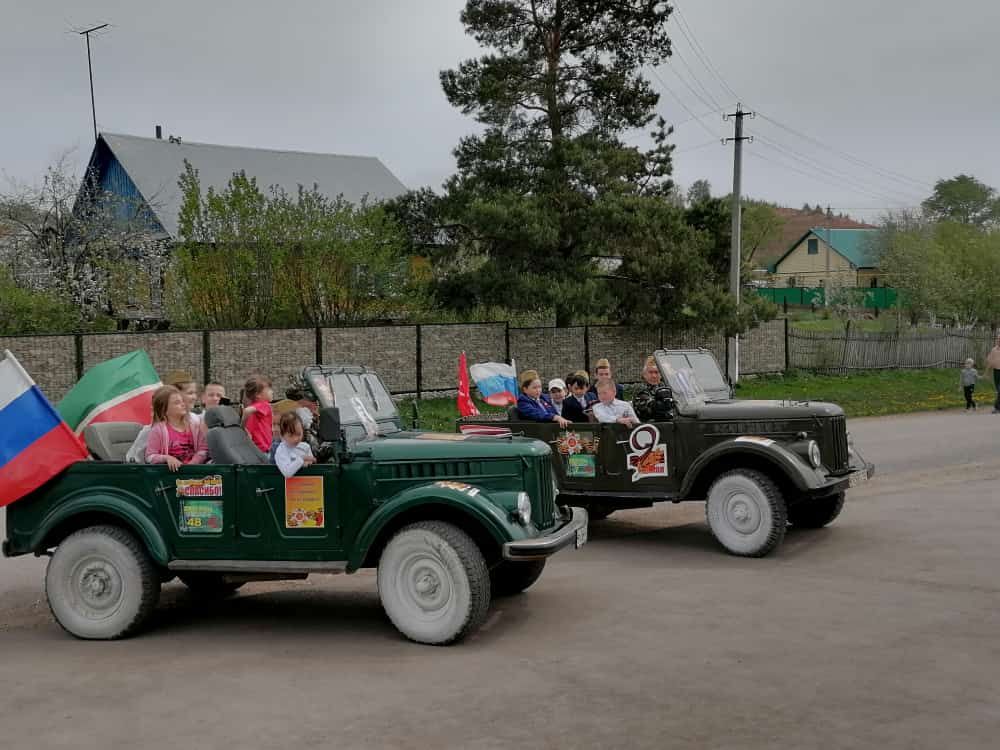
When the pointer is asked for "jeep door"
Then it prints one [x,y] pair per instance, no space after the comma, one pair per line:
[196,508]
[289,519]
[638,459]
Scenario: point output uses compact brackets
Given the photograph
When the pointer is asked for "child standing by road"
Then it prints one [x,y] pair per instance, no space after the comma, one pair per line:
[257,395]
[293,452]
[968,380]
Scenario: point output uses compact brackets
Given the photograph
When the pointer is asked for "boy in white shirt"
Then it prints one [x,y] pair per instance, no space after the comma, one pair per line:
[609,409]
[292,452]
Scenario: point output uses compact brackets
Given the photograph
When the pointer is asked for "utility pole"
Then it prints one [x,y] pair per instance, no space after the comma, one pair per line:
[90,69]
[733,365]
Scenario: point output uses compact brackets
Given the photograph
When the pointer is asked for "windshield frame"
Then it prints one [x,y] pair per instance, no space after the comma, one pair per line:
[330,384]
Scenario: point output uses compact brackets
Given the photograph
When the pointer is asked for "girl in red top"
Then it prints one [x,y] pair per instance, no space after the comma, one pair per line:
[257,395]
[174,439]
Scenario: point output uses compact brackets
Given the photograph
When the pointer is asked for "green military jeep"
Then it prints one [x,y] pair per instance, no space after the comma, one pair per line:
[448,520]
[759,465]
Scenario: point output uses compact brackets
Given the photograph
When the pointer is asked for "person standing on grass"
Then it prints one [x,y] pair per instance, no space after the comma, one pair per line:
[968,379]
[993,360]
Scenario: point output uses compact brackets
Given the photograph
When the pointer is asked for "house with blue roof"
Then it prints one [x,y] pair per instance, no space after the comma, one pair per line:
[824,257]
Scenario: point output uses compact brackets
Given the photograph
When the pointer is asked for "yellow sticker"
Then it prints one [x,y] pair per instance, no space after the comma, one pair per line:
[304,506]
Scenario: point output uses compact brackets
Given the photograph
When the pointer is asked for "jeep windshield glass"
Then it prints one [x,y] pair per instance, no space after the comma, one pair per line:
[705,369]
[683,381]
[341,388]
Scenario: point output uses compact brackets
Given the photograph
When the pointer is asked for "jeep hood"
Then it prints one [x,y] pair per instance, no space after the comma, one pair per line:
[761,409]
[448,446]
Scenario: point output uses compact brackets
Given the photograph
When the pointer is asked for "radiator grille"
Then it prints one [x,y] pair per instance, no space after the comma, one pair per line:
[836,452]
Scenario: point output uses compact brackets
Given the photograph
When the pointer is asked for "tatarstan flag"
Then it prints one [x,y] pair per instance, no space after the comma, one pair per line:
[119,390]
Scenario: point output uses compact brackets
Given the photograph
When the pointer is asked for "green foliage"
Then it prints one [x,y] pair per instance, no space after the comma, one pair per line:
[700,191]
[23,311]
[247,259]
[946,269]
[963,199]
[556,94]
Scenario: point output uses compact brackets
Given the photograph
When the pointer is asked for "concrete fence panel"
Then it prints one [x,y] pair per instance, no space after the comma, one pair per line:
[50,360]
[625,346]
[167,350]
[441,346]
[554,352]
[277,354]
[389,350]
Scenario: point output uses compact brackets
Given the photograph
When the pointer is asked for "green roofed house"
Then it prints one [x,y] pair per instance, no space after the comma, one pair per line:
[824,257]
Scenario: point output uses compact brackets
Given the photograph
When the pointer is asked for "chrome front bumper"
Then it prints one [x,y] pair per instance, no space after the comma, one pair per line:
[572,532]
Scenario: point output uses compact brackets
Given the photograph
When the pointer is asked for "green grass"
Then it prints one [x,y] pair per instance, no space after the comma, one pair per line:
[862,394]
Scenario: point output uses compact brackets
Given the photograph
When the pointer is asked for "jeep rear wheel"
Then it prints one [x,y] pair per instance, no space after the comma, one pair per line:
[746,512]
[815,514]
[101,583]
[434,583]
[509,578]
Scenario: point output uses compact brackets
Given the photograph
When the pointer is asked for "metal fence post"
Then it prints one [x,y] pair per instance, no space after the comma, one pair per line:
[319,345]
[420,362]
[206,356]
[506,340]
[788,359]
[78,348]
[586,348]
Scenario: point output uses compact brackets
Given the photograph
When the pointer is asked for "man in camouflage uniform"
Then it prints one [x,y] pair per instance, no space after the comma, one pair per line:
[644,398]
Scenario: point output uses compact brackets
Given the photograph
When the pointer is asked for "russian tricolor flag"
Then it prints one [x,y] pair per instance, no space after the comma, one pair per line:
[35,443]
[496,381]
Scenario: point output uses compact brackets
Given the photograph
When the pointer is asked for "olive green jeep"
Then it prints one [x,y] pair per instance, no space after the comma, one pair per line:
[448,520]
[758,465]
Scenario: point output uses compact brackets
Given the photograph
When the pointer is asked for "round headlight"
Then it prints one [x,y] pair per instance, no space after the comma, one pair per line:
[814,456]
[523,508]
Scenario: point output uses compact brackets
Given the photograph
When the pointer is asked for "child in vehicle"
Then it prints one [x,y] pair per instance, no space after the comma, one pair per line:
[214,394]
[174,439]
[257,395]
[609,409]
[293,452]
[185,383]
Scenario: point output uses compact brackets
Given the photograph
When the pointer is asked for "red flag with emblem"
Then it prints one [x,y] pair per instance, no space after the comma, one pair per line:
[465,406]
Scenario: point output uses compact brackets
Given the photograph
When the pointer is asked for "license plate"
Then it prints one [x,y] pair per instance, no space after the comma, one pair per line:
[858,477]
[581,537]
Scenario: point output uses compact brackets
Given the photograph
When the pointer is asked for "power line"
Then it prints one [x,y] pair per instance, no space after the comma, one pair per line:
[714,101]
[694,117]
[874,188]
[706,144]
[699,51]
[843,154]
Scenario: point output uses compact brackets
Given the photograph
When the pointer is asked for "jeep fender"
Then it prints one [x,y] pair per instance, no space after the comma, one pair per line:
[472,502]
[800,473]
[112,502]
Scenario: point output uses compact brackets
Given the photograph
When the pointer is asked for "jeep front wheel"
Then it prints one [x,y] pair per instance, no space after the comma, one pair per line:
[746,512]
[815,514]
[434,583]
[101,583]
[509,578]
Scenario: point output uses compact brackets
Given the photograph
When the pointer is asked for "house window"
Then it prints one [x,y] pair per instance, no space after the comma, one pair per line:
[791,281]
[874,282]
[812,246]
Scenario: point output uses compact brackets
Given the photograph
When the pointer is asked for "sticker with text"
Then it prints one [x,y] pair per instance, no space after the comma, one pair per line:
[201,516]
[304,503]
[210,486]
[648,456]
[581,465]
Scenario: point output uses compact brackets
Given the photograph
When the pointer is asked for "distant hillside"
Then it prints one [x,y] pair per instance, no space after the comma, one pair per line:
[796,223]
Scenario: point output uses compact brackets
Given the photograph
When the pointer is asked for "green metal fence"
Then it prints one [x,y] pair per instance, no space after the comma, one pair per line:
[881,298]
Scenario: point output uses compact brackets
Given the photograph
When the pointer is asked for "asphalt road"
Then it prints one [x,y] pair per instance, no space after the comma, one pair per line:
[879,631]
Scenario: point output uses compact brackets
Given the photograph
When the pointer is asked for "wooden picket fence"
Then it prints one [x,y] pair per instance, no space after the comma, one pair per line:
[854,349]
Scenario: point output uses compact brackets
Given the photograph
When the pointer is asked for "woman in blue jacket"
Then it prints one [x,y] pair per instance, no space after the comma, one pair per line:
[533,405]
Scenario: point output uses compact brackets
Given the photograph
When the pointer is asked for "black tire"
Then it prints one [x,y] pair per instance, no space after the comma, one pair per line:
[209,585]
[434,583]
[746,512]
[815,514]
[101,584]
[509,578]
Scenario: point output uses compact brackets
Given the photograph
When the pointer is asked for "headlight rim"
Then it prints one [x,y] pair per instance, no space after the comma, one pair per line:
[814,454]
[523,511]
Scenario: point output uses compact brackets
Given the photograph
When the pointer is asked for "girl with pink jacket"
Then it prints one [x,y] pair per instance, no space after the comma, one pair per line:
[174,438]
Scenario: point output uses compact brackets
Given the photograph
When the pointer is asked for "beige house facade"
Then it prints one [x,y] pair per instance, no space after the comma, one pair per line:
[829,258]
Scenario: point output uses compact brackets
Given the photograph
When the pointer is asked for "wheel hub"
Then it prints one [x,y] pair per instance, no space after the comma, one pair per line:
[742,513]
[427,584]
[98,586]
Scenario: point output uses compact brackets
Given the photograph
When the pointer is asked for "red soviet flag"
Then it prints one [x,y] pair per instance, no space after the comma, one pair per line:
[464,400]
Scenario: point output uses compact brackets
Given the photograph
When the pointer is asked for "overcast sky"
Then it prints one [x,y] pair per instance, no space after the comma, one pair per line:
[903,92]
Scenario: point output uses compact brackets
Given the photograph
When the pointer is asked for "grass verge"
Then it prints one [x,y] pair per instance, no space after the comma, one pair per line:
[863,394]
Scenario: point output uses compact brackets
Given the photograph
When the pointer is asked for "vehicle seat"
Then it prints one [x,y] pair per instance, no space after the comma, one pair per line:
[228,442]
[110,441]
[513,415]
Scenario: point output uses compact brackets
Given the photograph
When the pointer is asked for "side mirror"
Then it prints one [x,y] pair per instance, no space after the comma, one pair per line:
[329,425]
